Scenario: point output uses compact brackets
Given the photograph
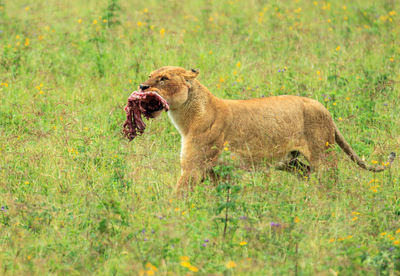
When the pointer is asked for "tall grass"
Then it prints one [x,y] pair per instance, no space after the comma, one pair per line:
[77,198]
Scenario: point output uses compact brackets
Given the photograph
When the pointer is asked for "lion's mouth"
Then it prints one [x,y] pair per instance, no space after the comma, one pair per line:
[141,102]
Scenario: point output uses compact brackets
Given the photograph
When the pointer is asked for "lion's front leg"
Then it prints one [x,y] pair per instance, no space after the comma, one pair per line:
[196,161]
[188,179]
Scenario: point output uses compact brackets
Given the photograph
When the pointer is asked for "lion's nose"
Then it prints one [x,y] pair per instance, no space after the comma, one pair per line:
[143,86]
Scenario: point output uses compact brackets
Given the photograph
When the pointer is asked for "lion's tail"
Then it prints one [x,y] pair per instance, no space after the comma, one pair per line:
[353,156]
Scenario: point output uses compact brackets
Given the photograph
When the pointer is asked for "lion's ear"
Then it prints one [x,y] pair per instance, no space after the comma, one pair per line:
[191,74]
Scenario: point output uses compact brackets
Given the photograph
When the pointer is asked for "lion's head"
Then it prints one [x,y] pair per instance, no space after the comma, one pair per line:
[172,83]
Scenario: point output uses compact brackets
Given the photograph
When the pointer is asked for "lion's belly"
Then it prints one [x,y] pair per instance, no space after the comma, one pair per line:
[264,131]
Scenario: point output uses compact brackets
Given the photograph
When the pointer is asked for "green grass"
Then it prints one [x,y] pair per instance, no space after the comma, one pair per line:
[80,199]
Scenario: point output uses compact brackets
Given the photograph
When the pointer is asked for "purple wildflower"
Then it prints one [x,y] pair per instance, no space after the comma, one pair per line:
[204,245]
[144,230]
[3,209]
[275,224]
[279,70]
[145,239]
[391,248]
[206,240]
[244,217]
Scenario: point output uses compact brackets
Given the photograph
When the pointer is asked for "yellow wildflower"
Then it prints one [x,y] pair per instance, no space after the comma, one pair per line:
[383,233]
[331,240]
[184,258]
[298,10]
[27,8]
[149,272]
[391,13]
[238,64]
[337,48]
[151,267]
[398,231]
[221,79]
[397,242]
[355,218]
[95,22]
[318,72]
[230,264]
[296,220]
[243,243]
[145,10]
[79,21]
[374,162]
[162,32]
[139,23]
[185,264]
[27,42]
[193,268]
[391,59]
[104,20]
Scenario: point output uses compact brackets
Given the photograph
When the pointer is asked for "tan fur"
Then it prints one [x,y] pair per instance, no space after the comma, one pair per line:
[260,131]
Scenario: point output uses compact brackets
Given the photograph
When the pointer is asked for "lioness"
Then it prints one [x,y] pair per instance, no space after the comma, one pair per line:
[260,131]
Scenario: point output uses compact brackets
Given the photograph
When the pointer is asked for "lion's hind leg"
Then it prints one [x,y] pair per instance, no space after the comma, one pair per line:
[294,165]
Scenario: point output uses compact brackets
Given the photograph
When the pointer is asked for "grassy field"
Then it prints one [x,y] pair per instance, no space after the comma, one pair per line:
[77,198]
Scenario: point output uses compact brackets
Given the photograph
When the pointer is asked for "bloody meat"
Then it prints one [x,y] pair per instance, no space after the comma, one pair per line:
[141,103]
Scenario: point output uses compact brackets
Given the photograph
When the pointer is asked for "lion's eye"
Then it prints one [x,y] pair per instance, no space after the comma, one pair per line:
[164,78]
